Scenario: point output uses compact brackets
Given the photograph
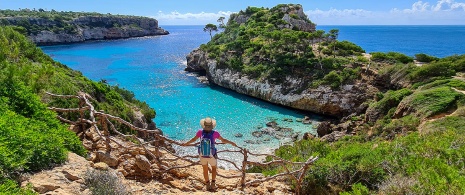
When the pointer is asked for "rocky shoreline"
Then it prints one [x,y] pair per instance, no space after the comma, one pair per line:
[323,100]
[86,28]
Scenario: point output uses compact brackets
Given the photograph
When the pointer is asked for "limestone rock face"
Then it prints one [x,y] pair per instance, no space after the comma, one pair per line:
[322,100]
[293,14]
[196,61]
[92,28]
[65,179]
[295,18]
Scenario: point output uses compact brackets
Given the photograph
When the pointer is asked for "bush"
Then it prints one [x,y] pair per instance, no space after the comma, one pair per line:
[400,126]
[433,101]
[435,69]
[399,184]
[400,57]
[11,187]
[104,182]
[32,138]
[357,189]
[390,57]
[425,58]
[387,101]
[378,56]
[346,48]
[333,79]
[352,162]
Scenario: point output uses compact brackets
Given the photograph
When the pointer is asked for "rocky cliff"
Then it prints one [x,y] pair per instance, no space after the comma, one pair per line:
[322,100]
[44,31]
[292,15]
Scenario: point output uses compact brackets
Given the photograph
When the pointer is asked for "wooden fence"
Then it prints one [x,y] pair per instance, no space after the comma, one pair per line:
[99,118]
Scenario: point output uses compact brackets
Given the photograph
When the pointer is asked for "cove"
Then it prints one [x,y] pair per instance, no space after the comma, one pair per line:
[153,68]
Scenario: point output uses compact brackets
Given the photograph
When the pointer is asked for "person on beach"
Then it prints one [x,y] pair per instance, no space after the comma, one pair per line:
[207,150]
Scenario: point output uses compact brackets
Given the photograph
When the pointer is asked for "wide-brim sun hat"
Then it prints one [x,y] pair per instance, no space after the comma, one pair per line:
[208,123]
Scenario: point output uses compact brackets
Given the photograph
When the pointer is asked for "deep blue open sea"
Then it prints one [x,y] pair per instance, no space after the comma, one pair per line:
[439,41]
[153,68]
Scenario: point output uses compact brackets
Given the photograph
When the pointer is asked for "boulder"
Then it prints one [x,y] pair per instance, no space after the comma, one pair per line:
[143,163]
[324,128]
[107,158]
[257,133]
[272,124]
[307,120]
[308,136]
[334,136]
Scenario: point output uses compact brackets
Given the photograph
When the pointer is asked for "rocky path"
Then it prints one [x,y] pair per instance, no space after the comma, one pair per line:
[69,178]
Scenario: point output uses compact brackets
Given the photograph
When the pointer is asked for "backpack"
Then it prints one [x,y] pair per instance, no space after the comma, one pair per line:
[207,145]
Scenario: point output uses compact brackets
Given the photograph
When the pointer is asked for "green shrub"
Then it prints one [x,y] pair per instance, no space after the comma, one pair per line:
[455,83]
[457,62]
[459,65]
[437,153]
[348,163]
[403,125]
[435,69]
[425,58]
[390,57]
[433,101]
[400,57]
[399,184]
[357,189]
[8,187]
[346,48]
[378,56]
[31,138]
[388,100]
[333,79]
[455,123]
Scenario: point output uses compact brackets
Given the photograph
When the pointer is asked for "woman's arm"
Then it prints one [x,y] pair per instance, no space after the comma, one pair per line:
[190,141]
[227,141]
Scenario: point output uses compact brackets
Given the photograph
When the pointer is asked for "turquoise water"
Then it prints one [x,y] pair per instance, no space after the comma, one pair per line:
[153,68]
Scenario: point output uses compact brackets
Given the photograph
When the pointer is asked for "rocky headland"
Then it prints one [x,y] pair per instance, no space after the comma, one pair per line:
[55,30]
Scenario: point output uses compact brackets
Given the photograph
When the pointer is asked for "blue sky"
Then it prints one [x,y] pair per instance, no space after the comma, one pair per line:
[328,12]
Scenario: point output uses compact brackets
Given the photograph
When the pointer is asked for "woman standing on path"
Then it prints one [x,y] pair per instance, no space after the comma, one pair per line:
[207,150]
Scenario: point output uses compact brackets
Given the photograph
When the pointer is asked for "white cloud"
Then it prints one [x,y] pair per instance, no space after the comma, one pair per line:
[202,18]
[445,12]
[441,5]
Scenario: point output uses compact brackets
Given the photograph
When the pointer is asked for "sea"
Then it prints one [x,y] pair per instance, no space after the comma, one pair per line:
[153,68]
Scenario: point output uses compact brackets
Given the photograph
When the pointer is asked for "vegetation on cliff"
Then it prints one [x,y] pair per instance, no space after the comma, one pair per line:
[269,44]
[409,140]
[31,138]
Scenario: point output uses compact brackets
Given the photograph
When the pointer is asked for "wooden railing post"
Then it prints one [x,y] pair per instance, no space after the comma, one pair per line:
[81,114]
[244,167]
[157,151]
[106,133]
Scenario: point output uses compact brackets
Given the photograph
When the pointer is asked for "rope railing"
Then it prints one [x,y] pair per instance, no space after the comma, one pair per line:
[99,118]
